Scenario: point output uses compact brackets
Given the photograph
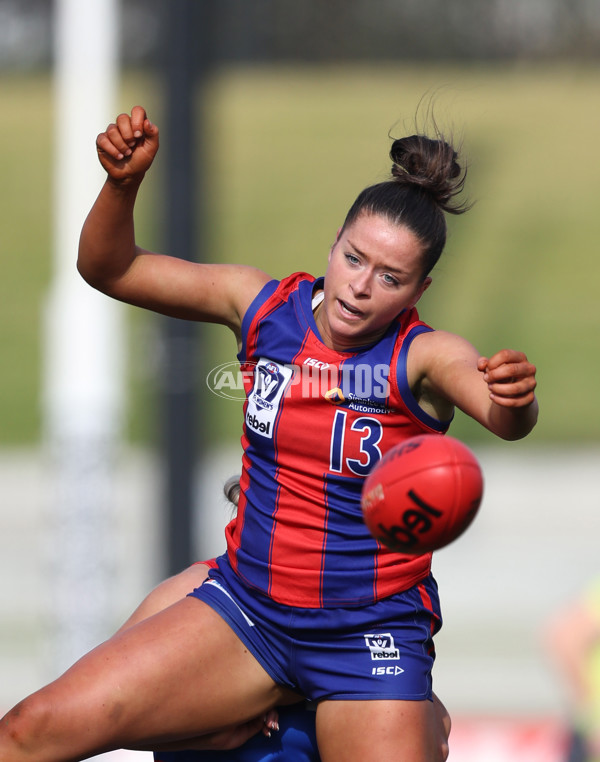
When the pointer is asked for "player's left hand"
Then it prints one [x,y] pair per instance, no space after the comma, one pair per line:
[510,378]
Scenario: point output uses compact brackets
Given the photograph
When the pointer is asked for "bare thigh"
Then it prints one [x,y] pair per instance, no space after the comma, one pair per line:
[178,674]
[371,731]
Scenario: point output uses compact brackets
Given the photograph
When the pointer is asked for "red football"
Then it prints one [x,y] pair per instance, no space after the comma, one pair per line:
[422,494]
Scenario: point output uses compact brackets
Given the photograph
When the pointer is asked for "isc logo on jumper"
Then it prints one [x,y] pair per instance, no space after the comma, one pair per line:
[382,647]
[270,382]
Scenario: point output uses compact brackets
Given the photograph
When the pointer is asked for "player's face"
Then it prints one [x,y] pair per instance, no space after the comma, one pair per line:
[375,272]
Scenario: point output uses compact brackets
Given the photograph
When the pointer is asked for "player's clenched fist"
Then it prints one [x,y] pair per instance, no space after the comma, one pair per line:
[510,378]
[127,148]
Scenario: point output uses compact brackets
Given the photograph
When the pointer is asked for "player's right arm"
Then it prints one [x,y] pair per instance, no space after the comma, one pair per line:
[110,260]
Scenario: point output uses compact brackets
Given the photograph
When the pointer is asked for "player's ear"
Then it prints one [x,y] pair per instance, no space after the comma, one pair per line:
[421,290]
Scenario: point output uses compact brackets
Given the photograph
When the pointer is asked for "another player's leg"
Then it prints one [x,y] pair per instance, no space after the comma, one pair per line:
[180,673]
[168,592]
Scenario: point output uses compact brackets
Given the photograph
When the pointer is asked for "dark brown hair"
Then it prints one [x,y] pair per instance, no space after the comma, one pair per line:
[231,489]
[426,178]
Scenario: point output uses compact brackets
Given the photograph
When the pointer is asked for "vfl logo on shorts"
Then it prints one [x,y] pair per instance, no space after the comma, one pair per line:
[382,647]
[270,382]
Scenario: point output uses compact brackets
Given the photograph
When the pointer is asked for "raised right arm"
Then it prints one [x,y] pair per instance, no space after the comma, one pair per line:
[110,260]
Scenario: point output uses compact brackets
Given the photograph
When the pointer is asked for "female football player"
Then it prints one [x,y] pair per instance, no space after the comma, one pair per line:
[304,603]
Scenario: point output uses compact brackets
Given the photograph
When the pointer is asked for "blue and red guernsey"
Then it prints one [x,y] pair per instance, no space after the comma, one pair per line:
[316,421]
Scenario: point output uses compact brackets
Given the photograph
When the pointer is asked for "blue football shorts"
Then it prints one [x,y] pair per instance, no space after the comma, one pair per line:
[380,651]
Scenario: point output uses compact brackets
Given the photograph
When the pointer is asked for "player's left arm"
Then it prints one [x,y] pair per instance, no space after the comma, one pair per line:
[498,392]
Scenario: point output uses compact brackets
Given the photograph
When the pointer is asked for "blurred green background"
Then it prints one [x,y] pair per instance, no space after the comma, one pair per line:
[287,149]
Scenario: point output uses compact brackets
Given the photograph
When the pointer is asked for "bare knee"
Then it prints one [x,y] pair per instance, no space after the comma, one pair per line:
[23,727]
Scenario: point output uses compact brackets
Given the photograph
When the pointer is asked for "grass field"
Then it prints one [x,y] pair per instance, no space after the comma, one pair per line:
[287,151]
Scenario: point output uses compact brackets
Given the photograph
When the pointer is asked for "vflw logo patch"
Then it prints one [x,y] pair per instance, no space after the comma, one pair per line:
[270,382]
[381,646]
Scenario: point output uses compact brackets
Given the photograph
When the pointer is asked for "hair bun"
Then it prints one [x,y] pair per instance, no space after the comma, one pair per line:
[432,165]
[232,488]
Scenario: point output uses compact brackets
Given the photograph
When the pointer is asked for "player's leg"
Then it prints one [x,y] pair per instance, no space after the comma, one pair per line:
[371,731]
[166,593]
[178,674]
[371,668]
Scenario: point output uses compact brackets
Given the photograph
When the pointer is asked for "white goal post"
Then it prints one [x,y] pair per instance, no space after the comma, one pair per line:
[83,340]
